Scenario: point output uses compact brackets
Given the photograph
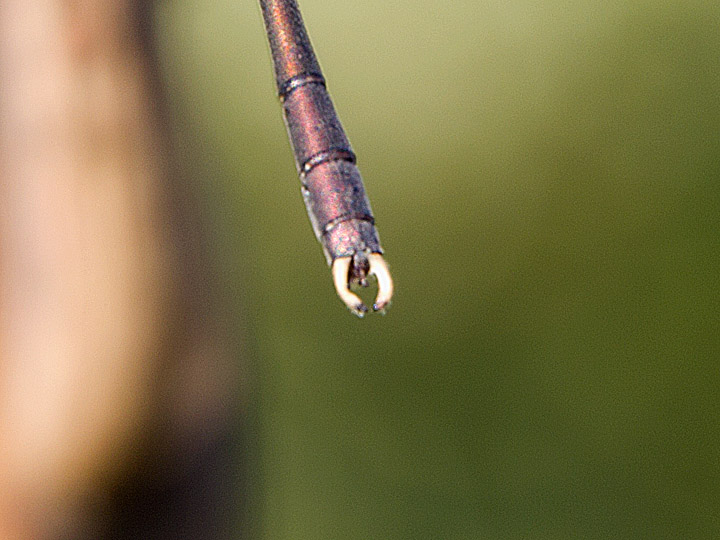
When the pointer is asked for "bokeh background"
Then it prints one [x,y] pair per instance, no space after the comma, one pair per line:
[545,178]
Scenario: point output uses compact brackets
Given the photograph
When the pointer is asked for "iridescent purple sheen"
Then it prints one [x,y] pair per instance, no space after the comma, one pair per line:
[333,190]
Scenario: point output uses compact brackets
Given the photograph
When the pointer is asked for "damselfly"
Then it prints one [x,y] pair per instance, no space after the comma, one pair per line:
[332,188]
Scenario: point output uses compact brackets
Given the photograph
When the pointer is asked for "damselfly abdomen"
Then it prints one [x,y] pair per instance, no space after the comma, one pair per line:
[332,187]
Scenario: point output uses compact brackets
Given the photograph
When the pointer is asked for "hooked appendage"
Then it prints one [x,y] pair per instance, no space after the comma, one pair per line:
[354,270]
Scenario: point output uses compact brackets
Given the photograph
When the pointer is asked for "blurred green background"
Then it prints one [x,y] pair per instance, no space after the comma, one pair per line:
[546,181]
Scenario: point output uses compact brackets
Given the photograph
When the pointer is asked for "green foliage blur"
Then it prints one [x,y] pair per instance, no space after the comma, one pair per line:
[546,181]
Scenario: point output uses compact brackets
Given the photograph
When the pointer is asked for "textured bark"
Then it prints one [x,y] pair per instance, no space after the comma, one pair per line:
[113,372]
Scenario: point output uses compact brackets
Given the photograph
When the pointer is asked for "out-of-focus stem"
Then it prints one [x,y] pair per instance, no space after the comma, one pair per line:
[82,258]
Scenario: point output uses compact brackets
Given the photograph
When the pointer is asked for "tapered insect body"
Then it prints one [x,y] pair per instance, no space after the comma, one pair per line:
[332,187]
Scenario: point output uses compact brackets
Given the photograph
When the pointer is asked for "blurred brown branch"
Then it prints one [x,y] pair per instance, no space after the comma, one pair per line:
[108,352]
